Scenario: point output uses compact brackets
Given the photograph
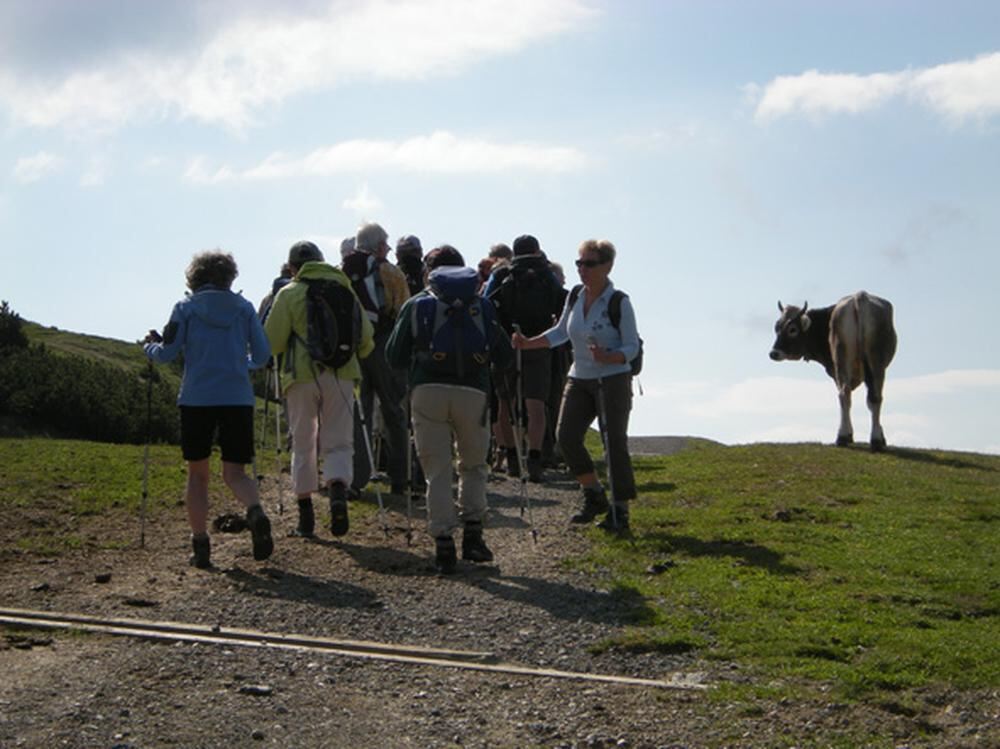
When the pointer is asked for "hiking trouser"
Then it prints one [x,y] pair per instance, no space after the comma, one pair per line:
[323,408]
[443,414]
[580,406]
[378,378]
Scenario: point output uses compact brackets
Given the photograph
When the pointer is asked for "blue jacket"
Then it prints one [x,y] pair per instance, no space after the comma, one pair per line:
[222,340]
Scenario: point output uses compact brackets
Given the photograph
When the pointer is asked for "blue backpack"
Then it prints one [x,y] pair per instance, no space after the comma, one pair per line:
[451,325]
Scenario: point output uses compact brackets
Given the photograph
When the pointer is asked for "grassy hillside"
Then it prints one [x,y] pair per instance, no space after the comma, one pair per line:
[125,355]
[818,566]
[813,569]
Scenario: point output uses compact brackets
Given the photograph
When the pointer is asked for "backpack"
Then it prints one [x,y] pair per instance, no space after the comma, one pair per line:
[527,296]
[333,322]
[615,316]
[359,267]
[451,324]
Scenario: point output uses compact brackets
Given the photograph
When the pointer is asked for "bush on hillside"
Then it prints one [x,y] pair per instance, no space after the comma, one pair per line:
[11,329]
[72,396]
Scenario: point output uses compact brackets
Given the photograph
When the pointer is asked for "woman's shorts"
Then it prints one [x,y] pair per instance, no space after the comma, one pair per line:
[234,425]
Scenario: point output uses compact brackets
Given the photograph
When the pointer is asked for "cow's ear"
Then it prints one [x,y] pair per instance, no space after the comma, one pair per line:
[804,321]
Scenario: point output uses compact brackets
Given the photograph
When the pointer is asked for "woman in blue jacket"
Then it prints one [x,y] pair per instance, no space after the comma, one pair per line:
[222,339]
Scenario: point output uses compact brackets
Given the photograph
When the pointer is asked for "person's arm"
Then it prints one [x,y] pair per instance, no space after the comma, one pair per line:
[260,350]
[278,326]
[166,347]
[399,347]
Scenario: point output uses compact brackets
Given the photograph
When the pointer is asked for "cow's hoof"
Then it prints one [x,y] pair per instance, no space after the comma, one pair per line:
[845,440]
[877,445]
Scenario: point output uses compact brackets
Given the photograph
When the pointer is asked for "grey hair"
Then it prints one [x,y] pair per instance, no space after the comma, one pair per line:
[369,237]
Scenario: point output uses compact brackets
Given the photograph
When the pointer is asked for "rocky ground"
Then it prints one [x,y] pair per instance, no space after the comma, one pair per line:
[530,608]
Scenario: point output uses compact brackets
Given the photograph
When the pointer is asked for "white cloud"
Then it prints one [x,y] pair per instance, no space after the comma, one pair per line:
[259,60]
[96,173]
[944,383]
[34,168]
[961,90]
[363,202]
[198,171]
[440,152]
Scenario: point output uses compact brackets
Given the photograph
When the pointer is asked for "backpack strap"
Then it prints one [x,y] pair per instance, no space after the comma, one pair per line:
[615,308]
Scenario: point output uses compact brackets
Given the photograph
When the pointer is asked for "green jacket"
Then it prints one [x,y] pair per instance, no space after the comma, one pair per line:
[401,348]
[286,328]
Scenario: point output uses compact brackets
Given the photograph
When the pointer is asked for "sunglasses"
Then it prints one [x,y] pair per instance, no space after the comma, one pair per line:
[589,263]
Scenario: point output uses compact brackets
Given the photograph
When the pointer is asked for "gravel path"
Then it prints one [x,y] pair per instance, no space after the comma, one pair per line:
[531,608]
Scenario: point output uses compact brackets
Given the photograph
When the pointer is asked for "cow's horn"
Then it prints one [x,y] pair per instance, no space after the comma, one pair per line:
[805,306]
[781,307]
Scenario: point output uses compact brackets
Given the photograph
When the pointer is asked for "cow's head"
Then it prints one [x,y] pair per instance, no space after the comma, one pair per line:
[789,342]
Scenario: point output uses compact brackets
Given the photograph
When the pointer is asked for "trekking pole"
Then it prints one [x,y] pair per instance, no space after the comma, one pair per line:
[277,434]
[409,472]
[602,422]
[518,427]
[259,434]
[145,455]
[368,448]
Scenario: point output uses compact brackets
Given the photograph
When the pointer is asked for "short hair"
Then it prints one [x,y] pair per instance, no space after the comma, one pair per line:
[213,267]
[409,245]
[443,255]
[370,237]
[604,249]
[500,250]
[526,245]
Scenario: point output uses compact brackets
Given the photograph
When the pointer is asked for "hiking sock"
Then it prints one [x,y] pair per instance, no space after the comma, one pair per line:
[445,556]
[513,464]
[307,519]
[202,548]
[535,466]
[474,548]
[339,522]
[595,501]
[260,533]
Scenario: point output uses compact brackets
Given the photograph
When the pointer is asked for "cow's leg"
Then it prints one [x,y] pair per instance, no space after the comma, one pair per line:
[845,435]
[874,381]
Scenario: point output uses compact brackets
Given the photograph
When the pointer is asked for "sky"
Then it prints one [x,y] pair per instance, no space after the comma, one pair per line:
[737,154]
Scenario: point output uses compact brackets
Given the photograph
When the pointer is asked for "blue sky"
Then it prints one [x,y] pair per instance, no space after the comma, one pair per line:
[737,153]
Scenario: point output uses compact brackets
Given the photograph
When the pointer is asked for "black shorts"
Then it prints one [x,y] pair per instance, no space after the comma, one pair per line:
[235,429]
[536,374]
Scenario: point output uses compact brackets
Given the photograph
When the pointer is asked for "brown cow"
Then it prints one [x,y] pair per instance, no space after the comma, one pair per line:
[854,340]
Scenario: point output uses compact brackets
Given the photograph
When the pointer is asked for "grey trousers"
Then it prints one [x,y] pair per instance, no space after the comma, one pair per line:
[580,406]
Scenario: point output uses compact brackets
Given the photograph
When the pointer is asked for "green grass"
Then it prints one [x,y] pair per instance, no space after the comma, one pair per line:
[809,564]
[58,482]
[815,569]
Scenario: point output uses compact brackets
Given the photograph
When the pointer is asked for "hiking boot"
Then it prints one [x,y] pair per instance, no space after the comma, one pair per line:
[616,522]
[595,501]
[339,523]
[498,458]
[474,548]
[260,533]
[535,467]
[202,547]
[445,557]
[513,464]
[307,520]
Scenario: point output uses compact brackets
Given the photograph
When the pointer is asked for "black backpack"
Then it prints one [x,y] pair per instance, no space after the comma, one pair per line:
[452,324]
[615,316]
[527,296]
[358,266]
[333,322]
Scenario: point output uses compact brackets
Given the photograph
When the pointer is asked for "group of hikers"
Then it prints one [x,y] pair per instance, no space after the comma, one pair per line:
[470,358]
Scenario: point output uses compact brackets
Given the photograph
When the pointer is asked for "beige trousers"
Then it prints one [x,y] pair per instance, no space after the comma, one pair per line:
[323,411]
[443,415]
